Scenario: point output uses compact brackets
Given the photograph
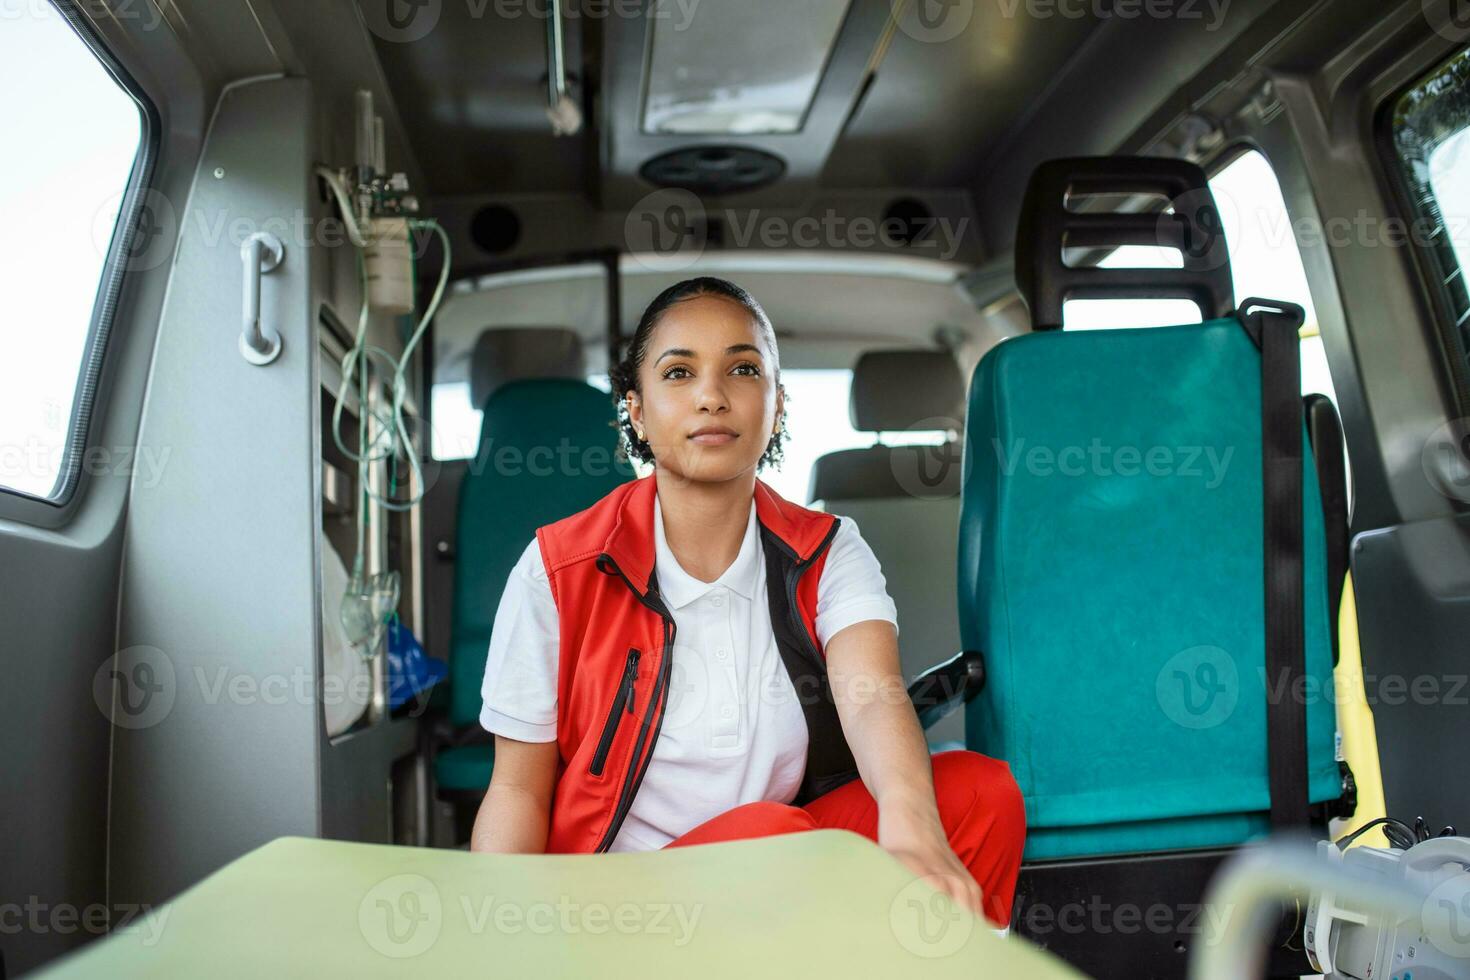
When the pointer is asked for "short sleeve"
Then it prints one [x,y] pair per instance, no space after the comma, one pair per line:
[519,690]
[852,588]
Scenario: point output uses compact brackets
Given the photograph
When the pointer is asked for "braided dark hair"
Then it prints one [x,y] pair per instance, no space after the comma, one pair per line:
[624,374]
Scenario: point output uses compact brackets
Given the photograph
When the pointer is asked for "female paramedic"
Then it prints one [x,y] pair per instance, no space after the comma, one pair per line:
[694,659]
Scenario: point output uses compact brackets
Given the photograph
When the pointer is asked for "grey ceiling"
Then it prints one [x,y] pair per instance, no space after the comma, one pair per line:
[471,91]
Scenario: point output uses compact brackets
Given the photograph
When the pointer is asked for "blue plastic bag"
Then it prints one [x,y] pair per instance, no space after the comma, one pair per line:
[410,670]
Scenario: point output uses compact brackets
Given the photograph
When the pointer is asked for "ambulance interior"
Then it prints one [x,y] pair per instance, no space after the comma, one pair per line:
[272,267]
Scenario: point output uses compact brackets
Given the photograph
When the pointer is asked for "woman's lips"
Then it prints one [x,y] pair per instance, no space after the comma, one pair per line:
[714,438]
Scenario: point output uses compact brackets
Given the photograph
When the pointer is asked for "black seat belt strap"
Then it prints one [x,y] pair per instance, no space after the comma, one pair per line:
[1281,477]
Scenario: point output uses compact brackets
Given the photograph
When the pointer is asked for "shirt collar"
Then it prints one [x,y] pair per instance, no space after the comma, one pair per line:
[679,588]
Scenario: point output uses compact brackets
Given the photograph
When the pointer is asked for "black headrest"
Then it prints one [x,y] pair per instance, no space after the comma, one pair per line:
[1047,226]
[900,390]
[504,354]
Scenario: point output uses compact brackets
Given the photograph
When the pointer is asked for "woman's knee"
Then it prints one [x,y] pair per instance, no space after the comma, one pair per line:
[770,817]
[968,778]
[764,818]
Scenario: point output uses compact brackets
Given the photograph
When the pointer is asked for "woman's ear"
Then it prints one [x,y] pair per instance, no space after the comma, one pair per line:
[780,406]
[635,413]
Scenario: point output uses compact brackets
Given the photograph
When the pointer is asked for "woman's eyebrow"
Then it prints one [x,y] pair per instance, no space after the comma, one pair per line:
[686,352]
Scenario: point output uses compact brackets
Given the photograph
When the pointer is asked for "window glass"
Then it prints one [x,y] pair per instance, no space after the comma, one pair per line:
[72,133]
[1264,262]
[1431,135]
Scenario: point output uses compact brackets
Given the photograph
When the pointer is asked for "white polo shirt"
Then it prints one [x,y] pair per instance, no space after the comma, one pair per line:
[733,731]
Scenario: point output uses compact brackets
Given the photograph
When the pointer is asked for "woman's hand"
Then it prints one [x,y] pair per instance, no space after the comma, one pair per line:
[910,830]
[892,756]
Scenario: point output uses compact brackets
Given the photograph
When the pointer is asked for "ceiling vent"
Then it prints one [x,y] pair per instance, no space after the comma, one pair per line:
[714,170]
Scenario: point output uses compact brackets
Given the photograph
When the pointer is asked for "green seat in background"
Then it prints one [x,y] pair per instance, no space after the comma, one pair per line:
[546,451]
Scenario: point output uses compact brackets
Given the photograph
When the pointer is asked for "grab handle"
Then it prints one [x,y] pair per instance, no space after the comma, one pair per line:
[262,252]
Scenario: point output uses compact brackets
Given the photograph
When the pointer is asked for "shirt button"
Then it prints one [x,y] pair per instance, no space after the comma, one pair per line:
[717,601]
[722,654]
[728,711]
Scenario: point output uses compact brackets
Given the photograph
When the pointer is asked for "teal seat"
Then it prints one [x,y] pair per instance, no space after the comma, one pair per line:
[546,451]
[464,768]
[1112,558]
[1110,569]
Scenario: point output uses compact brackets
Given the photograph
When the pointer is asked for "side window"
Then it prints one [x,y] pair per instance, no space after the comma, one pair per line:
[1264,261]
[74,139]
[1431,137]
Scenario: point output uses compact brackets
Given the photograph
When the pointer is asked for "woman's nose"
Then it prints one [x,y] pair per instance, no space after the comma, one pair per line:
[711,395]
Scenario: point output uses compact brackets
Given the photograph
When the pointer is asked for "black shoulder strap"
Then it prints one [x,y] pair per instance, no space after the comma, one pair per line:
[829,761]
[1275,328]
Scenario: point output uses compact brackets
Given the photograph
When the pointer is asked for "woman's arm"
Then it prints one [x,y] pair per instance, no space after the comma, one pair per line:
[516,811]
[892,754]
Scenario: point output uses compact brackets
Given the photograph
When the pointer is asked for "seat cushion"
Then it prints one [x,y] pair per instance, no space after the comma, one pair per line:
[1111,571]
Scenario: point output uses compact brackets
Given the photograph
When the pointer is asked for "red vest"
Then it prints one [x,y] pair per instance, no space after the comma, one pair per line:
[617,641]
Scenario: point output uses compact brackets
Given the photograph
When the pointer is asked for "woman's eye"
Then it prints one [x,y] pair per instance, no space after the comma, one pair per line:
[748,368]
[675,372]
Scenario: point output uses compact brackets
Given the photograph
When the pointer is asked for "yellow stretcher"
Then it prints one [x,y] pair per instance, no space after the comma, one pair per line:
[816,904]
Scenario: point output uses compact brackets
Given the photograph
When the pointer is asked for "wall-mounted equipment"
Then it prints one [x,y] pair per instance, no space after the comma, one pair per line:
[380,215]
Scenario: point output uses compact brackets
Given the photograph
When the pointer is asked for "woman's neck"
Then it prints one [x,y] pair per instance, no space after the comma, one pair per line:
[704,523]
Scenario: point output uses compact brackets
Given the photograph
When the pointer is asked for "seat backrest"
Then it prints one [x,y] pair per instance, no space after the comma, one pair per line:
[1111,570]
[546,451]
[506,354]
[905,499]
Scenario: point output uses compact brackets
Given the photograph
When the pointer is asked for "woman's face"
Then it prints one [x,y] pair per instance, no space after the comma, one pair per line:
[709,399]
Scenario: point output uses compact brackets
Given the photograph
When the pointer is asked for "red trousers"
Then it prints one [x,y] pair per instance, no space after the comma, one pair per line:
[979,805]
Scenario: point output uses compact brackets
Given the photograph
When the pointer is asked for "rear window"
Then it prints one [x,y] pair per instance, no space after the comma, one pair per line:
[74,136]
